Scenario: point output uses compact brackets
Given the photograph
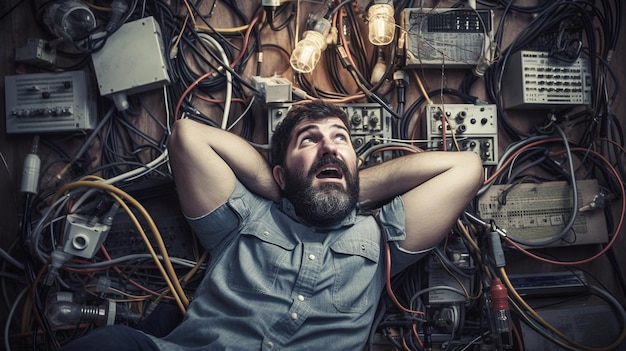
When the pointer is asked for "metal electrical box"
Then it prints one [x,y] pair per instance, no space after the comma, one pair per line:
[535,80]
[447,37]
[132,60]
[538,212]
[49,102]
[468,128]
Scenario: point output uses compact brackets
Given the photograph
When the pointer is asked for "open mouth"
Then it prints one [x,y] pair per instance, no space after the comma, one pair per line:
[330,172]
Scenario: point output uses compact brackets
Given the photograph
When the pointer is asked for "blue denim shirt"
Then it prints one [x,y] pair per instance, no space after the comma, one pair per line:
[275,284]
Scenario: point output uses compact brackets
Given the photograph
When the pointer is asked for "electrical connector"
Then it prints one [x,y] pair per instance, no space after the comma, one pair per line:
[274,89]
[81,238]
[496,249]
[30,172]
[57,259]
[37,52]
[118,8]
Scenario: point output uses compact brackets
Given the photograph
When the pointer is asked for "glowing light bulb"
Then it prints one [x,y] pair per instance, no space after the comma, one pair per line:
[382,24]
[308,51]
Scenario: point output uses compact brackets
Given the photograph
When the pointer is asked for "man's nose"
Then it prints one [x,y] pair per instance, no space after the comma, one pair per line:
[328,146]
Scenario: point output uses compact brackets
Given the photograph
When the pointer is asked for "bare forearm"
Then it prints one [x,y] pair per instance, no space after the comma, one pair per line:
[399,175]
[206,161]
[247,163]
[435,188]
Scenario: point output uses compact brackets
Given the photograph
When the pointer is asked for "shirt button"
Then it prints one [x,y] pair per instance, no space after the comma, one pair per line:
[270,344]
[266,233]
[311,257]
[300,298]
[294,316]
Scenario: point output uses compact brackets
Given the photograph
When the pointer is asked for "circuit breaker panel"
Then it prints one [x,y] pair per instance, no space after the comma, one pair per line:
[370,125]
[468,128]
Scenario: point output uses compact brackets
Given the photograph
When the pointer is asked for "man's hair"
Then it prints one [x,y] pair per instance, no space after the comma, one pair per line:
[313,110]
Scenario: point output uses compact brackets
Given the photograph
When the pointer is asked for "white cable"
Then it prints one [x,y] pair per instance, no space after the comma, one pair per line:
[167,111]
[130,175]
[229,78]
[147,168]
[243,114]
[118,260]
[36,232]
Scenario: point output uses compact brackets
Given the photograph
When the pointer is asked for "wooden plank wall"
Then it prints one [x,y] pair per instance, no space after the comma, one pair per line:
[20,25]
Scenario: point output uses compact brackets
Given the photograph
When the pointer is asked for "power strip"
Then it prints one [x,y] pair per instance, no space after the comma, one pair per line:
[535,80]
[538,212]
[49,102]
[455,38]
[370,124]
[468,128]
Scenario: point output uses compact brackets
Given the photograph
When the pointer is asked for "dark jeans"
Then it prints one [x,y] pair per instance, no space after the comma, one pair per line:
[112,338]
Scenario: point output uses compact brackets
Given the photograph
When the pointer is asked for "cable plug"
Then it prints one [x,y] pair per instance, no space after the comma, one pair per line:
[107,219]
[496,248]
[30,172]
[598,201]
[57,259]
[343,57]
[402,81]
[118,8]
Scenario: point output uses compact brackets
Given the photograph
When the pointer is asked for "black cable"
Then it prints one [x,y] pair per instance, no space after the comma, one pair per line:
[10,10]
[273,14]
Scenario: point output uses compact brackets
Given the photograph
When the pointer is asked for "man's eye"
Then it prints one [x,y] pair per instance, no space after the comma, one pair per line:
[341,137]
[306,140]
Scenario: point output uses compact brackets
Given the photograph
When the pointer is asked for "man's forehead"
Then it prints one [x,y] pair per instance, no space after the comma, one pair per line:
[307,123]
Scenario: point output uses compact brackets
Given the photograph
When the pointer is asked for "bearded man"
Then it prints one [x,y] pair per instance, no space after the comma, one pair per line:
[294,264]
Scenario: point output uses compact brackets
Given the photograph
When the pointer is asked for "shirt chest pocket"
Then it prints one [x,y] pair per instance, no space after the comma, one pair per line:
[260,258]
[355,261]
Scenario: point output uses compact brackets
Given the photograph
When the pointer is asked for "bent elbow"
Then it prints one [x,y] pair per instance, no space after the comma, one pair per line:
[182,135]
[472,169]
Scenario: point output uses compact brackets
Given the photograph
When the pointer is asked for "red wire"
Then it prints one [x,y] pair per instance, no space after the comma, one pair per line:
[119,271]
[232,64]
[392,295]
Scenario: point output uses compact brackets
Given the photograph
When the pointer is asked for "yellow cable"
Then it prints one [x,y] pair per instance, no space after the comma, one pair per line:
[172,282]
[518,298]
[168,274]
[421,86]
[191,14]
[196,26]
[195,268]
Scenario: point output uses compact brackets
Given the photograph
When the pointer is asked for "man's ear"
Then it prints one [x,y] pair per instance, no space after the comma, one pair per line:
[279,176]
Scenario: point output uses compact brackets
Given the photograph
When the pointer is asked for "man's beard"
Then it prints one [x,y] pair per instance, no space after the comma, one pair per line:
[329,203]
